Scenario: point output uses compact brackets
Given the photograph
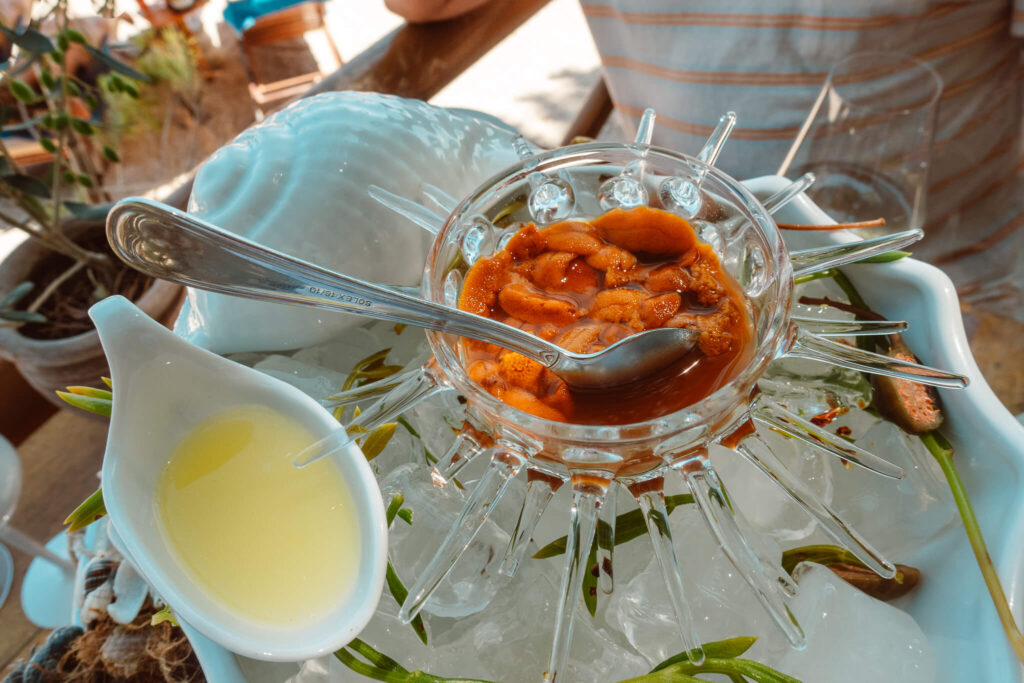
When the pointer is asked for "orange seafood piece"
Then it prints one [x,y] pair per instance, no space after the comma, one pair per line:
[563,270]
[574,236]
[656,310]
[528,403]
[526,243]
[484,280]
[647,231]
[532,306]
[520,371]
[618,306]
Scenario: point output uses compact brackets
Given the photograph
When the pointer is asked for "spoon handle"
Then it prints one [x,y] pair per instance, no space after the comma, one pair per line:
[164,242]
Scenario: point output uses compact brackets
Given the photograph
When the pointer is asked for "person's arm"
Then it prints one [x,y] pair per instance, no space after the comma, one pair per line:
[419,11]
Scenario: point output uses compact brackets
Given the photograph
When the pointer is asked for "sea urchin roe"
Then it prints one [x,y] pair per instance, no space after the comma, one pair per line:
[586,285]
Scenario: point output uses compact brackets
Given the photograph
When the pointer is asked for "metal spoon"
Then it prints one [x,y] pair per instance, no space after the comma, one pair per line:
[164,242]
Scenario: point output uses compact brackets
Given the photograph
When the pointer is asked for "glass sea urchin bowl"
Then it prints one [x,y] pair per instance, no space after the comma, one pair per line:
[749,246]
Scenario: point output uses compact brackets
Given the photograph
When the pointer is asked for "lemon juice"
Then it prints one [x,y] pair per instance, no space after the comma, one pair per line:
[277,544]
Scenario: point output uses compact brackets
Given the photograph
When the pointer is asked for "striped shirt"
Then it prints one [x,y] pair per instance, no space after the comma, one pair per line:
[692,60]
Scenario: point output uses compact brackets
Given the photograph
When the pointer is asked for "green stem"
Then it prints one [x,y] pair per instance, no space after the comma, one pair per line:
[732,668]
[810,277]
[844,284]
[943,454]
[62,108]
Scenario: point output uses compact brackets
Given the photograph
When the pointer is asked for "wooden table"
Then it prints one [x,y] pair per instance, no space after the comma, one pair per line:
[59,461]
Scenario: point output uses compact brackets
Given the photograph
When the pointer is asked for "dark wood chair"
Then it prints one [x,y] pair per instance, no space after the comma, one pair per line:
[284,25]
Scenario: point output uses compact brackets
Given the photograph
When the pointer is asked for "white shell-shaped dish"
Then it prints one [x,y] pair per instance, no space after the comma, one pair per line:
[298,183]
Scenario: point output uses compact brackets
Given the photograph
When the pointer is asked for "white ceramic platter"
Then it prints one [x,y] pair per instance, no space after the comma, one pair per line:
[951,605]
[308,182]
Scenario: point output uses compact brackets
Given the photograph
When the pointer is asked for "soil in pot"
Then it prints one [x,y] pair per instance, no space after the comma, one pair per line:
[67,309]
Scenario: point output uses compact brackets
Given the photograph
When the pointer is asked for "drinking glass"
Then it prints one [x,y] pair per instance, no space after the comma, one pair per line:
[868,139]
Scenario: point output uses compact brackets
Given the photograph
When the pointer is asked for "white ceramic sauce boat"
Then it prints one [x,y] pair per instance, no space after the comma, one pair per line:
[165,387]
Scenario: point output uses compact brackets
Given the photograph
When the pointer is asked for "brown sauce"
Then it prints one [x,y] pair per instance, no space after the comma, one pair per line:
[585,285]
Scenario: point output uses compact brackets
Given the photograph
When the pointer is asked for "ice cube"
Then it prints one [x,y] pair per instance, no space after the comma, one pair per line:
[810,388]
[723,605]
[853,637]
[315,381]
[767,506]
[920,504]
[470,586]
[512,638]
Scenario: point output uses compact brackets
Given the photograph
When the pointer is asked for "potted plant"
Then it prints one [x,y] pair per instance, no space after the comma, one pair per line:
[55,194]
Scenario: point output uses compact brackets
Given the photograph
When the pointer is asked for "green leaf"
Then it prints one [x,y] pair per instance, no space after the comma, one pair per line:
[73,36]
[590,580]
[93,405]
[23,317]
[109,382]
[376,658]
[111,155]
[17,294]
[400,593]
[378,440]
[24,125]
[29,39]
[88,211]
[22,91]
[85,180]
[886,257]
[628,526]
[69,177]
[130,90]
[117,66]
[27,184]
[61,121]
[63,43]
[48,144]
[91,509]
[82,127]
[393,507]
[719,649]
[405,514]
[47,79]
[364,669]
[162,616]
[92,392]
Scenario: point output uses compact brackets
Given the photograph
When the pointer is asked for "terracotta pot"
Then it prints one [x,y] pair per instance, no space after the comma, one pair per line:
[52,365]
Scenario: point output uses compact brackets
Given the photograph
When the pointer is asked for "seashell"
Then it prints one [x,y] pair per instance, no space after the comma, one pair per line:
[130,591]
[298,183]
[98,571]
[95,603]
[123,649]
